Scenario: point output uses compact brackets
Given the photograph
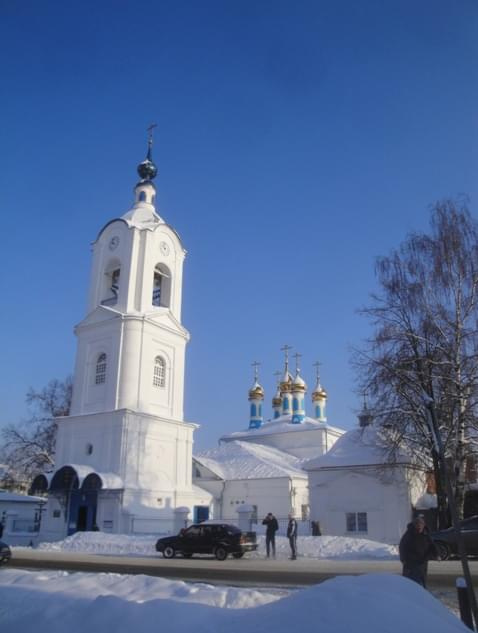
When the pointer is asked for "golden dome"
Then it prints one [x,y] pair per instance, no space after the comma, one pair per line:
[319,393]
[256,391]
[299,384]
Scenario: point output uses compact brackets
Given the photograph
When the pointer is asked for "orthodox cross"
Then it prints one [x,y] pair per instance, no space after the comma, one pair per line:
[255,364]
[286,349]
[317,364]
[297,356]
[150,131]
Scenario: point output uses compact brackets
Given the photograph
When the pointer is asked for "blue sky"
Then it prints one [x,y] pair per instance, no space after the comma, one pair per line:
[296,142]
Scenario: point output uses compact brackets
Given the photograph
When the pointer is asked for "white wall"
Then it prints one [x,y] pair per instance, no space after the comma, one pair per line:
[384,497]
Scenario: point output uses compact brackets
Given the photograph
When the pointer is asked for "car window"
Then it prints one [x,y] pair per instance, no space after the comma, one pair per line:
[232,529]
[192,532]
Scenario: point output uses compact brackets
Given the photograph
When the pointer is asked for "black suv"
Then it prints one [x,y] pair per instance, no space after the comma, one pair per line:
[446,541]
[219,539]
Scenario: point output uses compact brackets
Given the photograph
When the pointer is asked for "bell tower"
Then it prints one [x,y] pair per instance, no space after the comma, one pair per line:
[131,344]
[124,454]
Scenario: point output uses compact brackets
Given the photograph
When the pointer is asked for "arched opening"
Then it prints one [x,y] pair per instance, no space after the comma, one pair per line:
[161,286]
[39,486]
[159,373]
[100,373]
[142,196]
[111,285]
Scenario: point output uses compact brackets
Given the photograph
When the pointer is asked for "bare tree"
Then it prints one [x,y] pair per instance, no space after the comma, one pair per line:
[29,447]
[423,354]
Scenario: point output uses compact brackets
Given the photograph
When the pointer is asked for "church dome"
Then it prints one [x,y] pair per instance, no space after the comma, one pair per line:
[147,170]
[319,393]
[286,382]
[256,391]
[298,384]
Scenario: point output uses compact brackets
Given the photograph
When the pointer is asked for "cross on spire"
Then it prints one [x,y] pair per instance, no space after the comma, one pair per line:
[297,356]
[286,349]
[150,138]
[317,364]
[256,364]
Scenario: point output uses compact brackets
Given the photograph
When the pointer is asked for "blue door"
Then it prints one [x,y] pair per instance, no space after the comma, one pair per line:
[200,513]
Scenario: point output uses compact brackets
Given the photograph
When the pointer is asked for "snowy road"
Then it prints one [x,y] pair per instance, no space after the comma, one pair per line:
[247,571]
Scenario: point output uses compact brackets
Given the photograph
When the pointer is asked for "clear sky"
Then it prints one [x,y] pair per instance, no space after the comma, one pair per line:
[296,141]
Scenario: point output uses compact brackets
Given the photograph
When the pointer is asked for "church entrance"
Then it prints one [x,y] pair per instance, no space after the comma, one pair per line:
[200,513]
[80,503]
[82,511]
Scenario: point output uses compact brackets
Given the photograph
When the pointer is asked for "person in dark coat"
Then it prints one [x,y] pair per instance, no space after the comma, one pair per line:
[416,548]
[292,536]
[272,526]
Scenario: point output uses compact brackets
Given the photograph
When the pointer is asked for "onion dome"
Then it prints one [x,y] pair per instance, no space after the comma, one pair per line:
[256,391]
[298,384]
[147,170]
[286,382]
[319,393]
[277,399]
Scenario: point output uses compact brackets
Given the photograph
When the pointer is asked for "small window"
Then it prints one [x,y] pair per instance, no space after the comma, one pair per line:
[159,375]
[89,449]
[100,377]
[305,511]
[356,521]
[142,196]
[161,286]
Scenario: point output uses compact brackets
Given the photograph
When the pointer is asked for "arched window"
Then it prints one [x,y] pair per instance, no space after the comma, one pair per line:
[142,196]
[159,375]
[112,283]
[100,376]
[161,286]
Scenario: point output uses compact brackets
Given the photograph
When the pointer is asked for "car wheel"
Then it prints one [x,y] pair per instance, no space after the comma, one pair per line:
[168,551]
[443,550]
[220,553]
[238,555]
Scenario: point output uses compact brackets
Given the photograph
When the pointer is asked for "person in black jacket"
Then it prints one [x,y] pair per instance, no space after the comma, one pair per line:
[416,548]
[292,536]
[272,526]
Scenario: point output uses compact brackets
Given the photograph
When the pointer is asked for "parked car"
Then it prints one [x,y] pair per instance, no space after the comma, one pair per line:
[5,553]
[446,542]
[219,539]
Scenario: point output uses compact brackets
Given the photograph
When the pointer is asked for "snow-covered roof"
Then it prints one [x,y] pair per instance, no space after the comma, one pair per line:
[358,447]
[283,424]
[244,460]
[17,498]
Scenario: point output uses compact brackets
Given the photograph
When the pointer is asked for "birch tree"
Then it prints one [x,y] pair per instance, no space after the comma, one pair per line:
[29,447]
[422,355]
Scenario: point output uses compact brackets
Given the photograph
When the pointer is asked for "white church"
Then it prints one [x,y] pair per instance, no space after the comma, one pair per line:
[124,455]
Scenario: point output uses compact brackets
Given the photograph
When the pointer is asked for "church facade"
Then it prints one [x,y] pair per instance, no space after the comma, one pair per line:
[262,467]
[124,454]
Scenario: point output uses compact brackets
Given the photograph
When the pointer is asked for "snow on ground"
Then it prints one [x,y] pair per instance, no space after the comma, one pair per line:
[55,602]
[58,601]
[329,547]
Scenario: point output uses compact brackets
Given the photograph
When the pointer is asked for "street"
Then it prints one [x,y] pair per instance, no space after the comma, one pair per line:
[245,572]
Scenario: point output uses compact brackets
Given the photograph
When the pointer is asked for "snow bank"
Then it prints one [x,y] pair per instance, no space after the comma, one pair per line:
[55,602]
[329,547]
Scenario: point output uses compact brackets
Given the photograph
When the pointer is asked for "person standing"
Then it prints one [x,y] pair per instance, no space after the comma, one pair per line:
[271,528]
[292,536]
[416,548]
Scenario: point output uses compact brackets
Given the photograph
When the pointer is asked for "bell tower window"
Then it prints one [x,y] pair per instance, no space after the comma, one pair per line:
[159,375]
[112,284]
[100,376]
[161,286]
